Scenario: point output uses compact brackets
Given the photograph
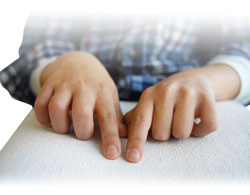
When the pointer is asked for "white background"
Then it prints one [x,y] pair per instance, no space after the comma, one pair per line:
[12,112]
[13,15]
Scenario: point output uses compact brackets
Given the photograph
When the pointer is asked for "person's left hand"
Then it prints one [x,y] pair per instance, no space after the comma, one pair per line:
[169,108]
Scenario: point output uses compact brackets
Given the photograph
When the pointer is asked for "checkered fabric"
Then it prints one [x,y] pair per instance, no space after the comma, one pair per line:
[137,52]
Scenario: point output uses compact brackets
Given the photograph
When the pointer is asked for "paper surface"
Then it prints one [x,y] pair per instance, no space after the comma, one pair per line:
[36,153]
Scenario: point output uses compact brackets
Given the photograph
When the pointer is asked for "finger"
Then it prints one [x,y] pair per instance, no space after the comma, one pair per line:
[209,118]
[108,123]
[41,105]
[82,114]
[121,126]
[183,119]
[138,129]
[58,110]
[162,119]
[128,116]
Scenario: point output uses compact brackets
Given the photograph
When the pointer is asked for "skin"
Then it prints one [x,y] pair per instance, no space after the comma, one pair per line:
[77,81]
[83,85]
[170,106]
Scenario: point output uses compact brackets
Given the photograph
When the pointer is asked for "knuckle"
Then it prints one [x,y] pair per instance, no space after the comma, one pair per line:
[107,91]
[48,84]
[62,129]
[167,88]
[84,129]
[180,134]
[159,136]
[109,136]
[102,86]
[84,136]
[107,117]
[165,91]
[80,85]
[56,106]
[136,140]
[212,126]
[64,85]
[138,119]
[40,103]
[197,133]
[205,97]
[83,112]
[105,88]
[72,84]
[147,92]
[186,92]
[41,119]
[42,122]
[60,126]
[205,83]
[115,93]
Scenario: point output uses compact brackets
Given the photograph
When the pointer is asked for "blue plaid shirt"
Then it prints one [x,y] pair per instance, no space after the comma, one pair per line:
[137,52]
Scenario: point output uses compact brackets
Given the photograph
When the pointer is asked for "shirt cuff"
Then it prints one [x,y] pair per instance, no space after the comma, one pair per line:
[34,82]
[242,66]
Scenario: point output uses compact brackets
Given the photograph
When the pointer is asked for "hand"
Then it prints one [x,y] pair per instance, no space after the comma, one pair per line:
[78,81]
[171,106]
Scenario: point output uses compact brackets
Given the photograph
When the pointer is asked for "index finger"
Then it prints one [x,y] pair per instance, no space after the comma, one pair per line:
[108,123]
[138,129]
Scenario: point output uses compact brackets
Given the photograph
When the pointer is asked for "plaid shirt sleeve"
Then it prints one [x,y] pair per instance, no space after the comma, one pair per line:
[43,37]
[190,44]
[137,54]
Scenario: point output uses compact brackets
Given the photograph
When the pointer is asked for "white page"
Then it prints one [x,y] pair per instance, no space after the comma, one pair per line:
[36,153]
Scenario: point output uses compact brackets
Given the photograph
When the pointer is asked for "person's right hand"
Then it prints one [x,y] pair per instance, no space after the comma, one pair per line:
[77,81]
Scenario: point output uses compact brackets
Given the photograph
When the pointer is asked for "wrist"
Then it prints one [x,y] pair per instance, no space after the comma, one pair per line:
[35,79]
[43,75]
[224,80]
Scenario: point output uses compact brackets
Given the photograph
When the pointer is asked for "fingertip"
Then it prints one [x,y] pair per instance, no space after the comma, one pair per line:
[84,135]
[111,152]
[133,155]
[44,121]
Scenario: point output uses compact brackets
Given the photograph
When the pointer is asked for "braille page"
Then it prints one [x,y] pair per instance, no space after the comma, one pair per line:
[36,153]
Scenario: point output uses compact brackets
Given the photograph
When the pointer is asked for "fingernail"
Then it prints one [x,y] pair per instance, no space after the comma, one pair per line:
[112,150]
[134,154]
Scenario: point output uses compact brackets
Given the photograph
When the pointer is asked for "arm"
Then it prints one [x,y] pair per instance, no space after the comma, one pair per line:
[39,43]
[170,106]
[70,80]
[77,81]
[241,66]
